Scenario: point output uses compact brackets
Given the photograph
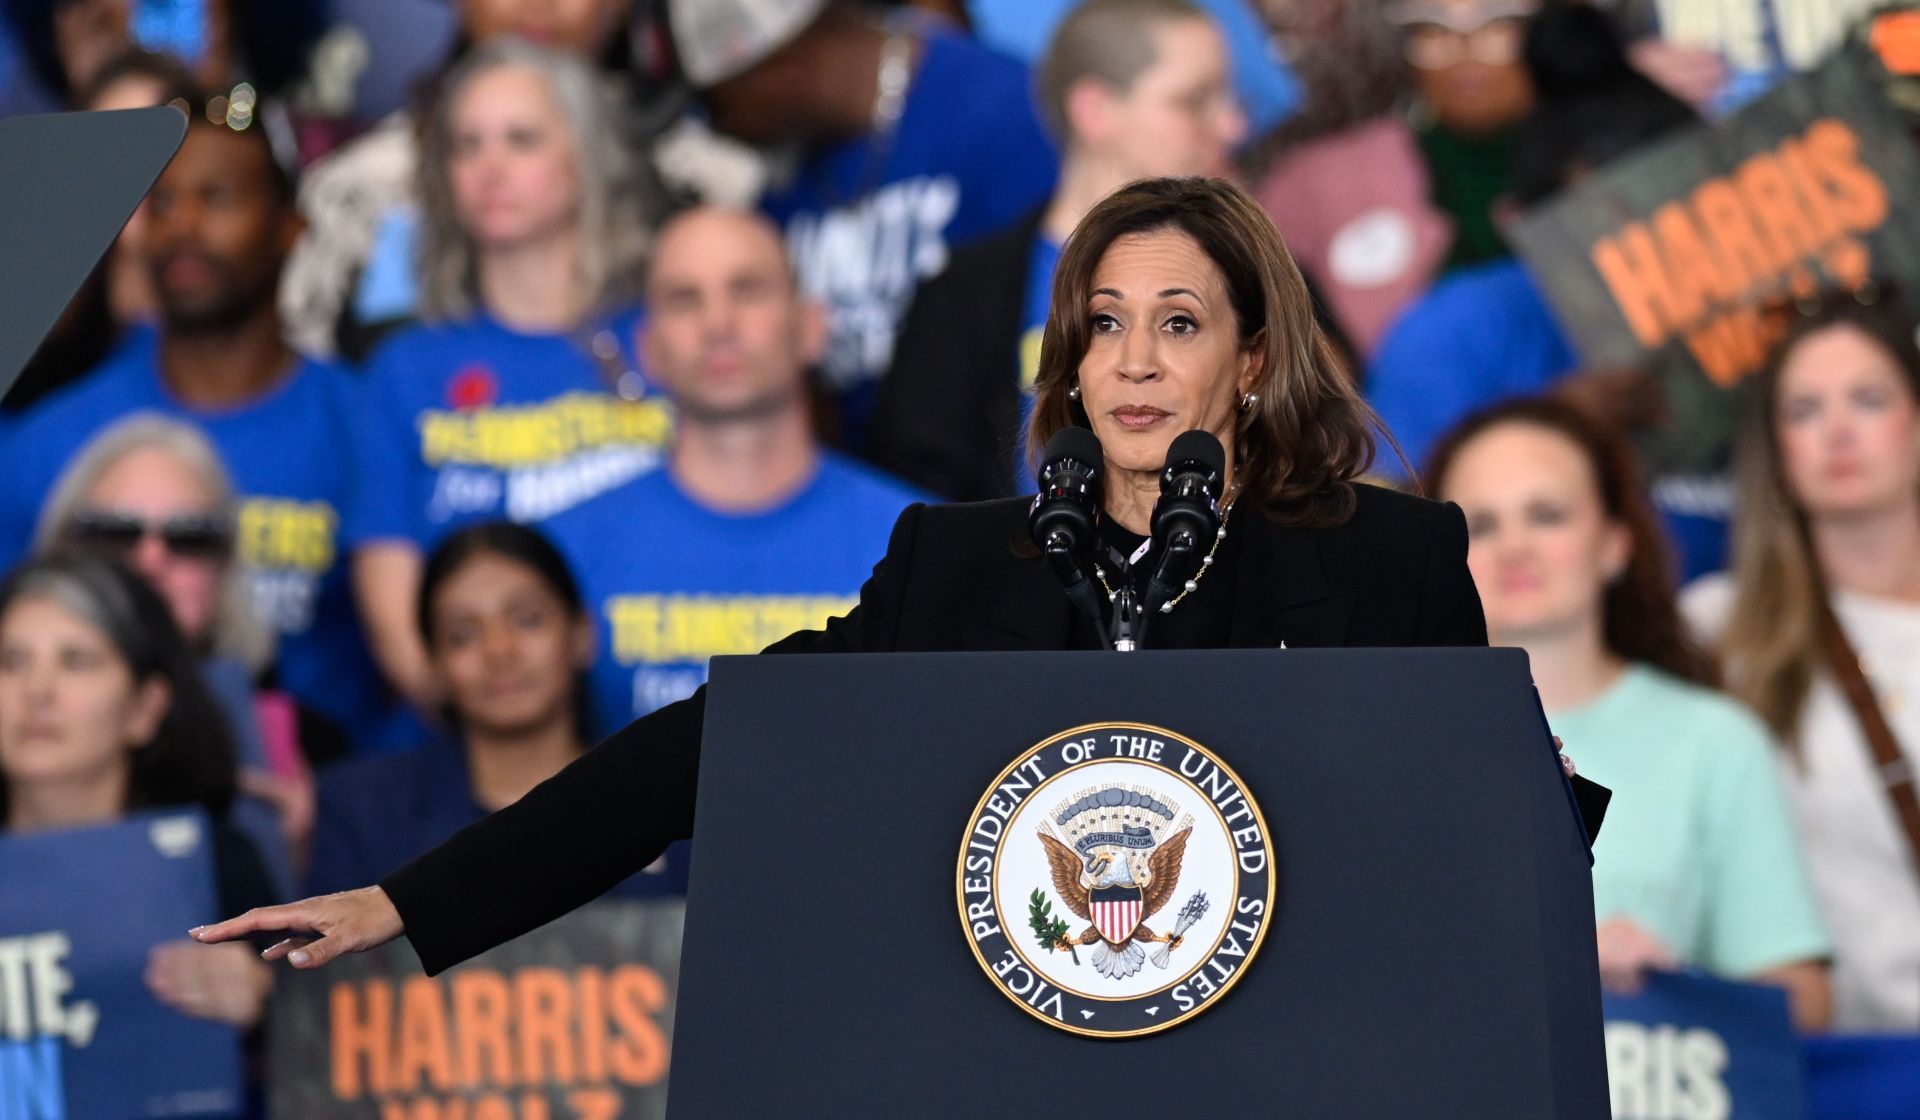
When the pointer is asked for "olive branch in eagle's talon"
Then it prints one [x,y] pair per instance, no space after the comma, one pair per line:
[1051,931]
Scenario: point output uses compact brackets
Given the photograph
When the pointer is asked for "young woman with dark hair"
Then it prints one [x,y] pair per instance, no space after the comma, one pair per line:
[1699,865]
[102,713]
[509,642]
[1818,626]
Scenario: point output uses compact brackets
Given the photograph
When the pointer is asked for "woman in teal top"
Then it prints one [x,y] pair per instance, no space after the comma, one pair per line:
[1698,866]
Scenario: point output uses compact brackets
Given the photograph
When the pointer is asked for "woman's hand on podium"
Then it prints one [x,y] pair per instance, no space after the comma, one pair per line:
[323,927]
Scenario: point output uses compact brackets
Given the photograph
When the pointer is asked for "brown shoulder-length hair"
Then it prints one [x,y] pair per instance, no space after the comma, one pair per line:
[1770,645]
[1640,621]
[1298,450]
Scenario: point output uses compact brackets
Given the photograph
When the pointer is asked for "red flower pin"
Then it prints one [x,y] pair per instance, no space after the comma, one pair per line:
[473,387]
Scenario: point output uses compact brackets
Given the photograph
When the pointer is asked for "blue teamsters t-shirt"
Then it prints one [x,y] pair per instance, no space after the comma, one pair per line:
[289,453]
[866,220]
[672,583]
[472,421]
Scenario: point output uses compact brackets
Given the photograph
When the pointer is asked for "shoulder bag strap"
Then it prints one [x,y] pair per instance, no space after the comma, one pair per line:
[1890,765]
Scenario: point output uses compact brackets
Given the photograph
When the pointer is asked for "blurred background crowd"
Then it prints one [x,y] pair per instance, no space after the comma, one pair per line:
[479,369]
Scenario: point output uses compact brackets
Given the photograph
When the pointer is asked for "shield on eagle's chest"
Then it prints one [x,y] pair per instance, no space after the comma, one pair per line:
[1116,911]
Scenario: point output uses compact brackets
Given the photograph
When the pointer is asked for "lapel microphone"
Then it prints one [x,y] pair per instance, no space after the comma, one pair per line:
[1187,516]
[1061,518]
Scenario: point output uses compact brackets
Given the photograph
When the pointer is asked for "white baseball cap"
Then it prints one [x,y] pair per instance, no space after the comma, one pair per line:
[720,39]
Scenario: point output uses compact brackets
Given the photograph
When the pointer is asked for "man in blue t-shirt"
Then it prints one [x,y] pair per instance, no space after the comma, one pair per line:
[912,140]
[1262,80]
[220,224]
[753,530]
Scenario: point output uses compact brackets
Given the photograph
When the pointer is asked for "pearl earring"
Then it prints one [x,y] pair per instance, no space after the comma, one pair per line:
[1248,400]
[1073,393]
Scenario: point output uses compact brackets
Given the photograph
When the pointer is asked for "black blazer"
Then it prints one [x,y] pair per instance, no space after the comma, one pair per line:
[1395,574]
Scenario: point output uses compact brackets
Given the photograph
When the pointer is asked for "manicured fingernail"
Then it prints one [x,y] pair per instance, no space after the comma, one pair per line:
[195,932]
[299,956]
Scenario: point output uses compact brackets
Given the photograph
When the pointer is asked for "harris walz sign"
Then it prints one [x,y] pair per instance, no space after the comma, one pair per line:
[1669,258]
[573,1021]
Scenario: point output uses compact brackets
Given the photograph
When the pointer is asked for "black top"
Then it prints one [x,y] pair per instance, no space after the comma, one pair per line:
[959,577]
[947,415]
[1201,620]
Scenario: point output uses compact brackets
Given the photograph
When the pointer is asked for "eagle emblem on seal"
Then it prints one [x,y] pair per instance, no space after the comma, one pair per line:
[1114,855]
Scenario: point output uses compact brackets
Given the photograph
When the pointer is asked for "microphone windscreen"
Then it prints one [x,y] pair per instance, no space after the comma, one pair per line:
[1074,442]
[1198,446]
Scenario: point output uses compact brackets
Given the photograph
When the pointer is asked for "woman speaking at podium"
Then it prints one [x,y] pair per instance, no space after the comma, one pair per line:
[1175,307]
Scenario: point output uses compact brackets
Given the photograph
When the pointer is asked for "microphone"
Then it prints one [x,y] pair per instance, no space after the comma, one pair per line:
[1187,517]
[1070,478]
[1062,515]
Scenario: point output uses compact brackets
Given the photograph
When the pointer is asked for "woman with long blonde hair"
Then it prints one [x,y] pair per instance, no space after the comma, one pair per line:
[1826,577]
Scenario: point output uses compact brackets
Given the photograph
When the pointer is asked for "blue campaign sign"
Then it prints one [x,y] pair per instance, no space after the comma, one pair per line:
[1863,1077]
[1690,1047]
[81,1037]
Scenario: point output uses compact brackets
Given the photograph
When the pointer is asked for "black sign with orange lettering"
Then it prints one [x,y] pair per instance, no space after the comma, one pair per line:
[571,1022]
[1666,259]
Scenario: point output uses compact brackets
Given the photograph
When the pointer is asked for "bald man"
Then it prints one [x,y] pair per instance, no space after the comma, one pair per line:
[754,529]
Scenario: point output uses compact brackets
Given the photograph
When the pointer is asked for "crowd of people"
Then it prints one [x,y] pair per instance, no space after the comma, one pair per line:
[369,481]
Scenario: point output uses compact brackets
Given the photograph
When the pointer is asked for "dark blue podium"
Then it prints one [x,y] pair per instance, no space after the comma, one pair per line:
[71,182]
[1431,950]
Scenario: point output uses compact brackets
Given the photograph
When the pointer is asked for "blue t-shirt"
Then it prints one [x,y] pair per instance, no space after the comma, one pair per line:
[471,421]
[289,453]
[376,814]
[1480,335]
[1033,325]
[866,220]
[672,583]
[1485,334]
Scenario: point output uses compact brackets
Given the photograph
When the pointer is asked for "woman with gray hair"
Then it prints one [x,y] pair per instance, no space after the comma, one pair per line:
[151,493]
[521,396]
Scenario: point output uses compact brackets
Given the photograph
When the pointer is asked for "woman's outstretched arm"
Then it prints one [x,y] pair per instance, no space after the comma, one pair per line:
[569,840]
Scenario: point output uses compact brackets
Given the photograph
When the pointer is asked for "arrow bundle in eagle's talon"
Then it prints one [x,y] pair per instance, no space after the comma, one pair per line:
[1189,914]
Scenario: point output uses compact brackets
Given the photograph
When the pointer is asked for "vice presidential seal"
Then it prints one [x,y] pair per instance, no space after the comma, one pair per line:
[1116,880]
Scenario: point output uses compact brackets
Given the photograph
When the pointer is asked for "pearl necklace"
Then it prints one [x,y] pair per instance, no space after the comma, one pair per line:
[1206,561]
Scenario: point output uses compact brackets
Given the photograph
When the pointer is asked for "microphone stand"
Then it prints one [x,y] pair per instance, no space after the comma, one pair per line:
[1178,560]
[1080,589]
[1129,624]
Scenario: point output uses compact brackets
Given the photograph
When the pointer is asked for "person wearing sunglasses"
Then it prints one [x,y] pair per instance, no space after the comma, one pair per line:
[1472,90]
[151,493]
[187,537]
